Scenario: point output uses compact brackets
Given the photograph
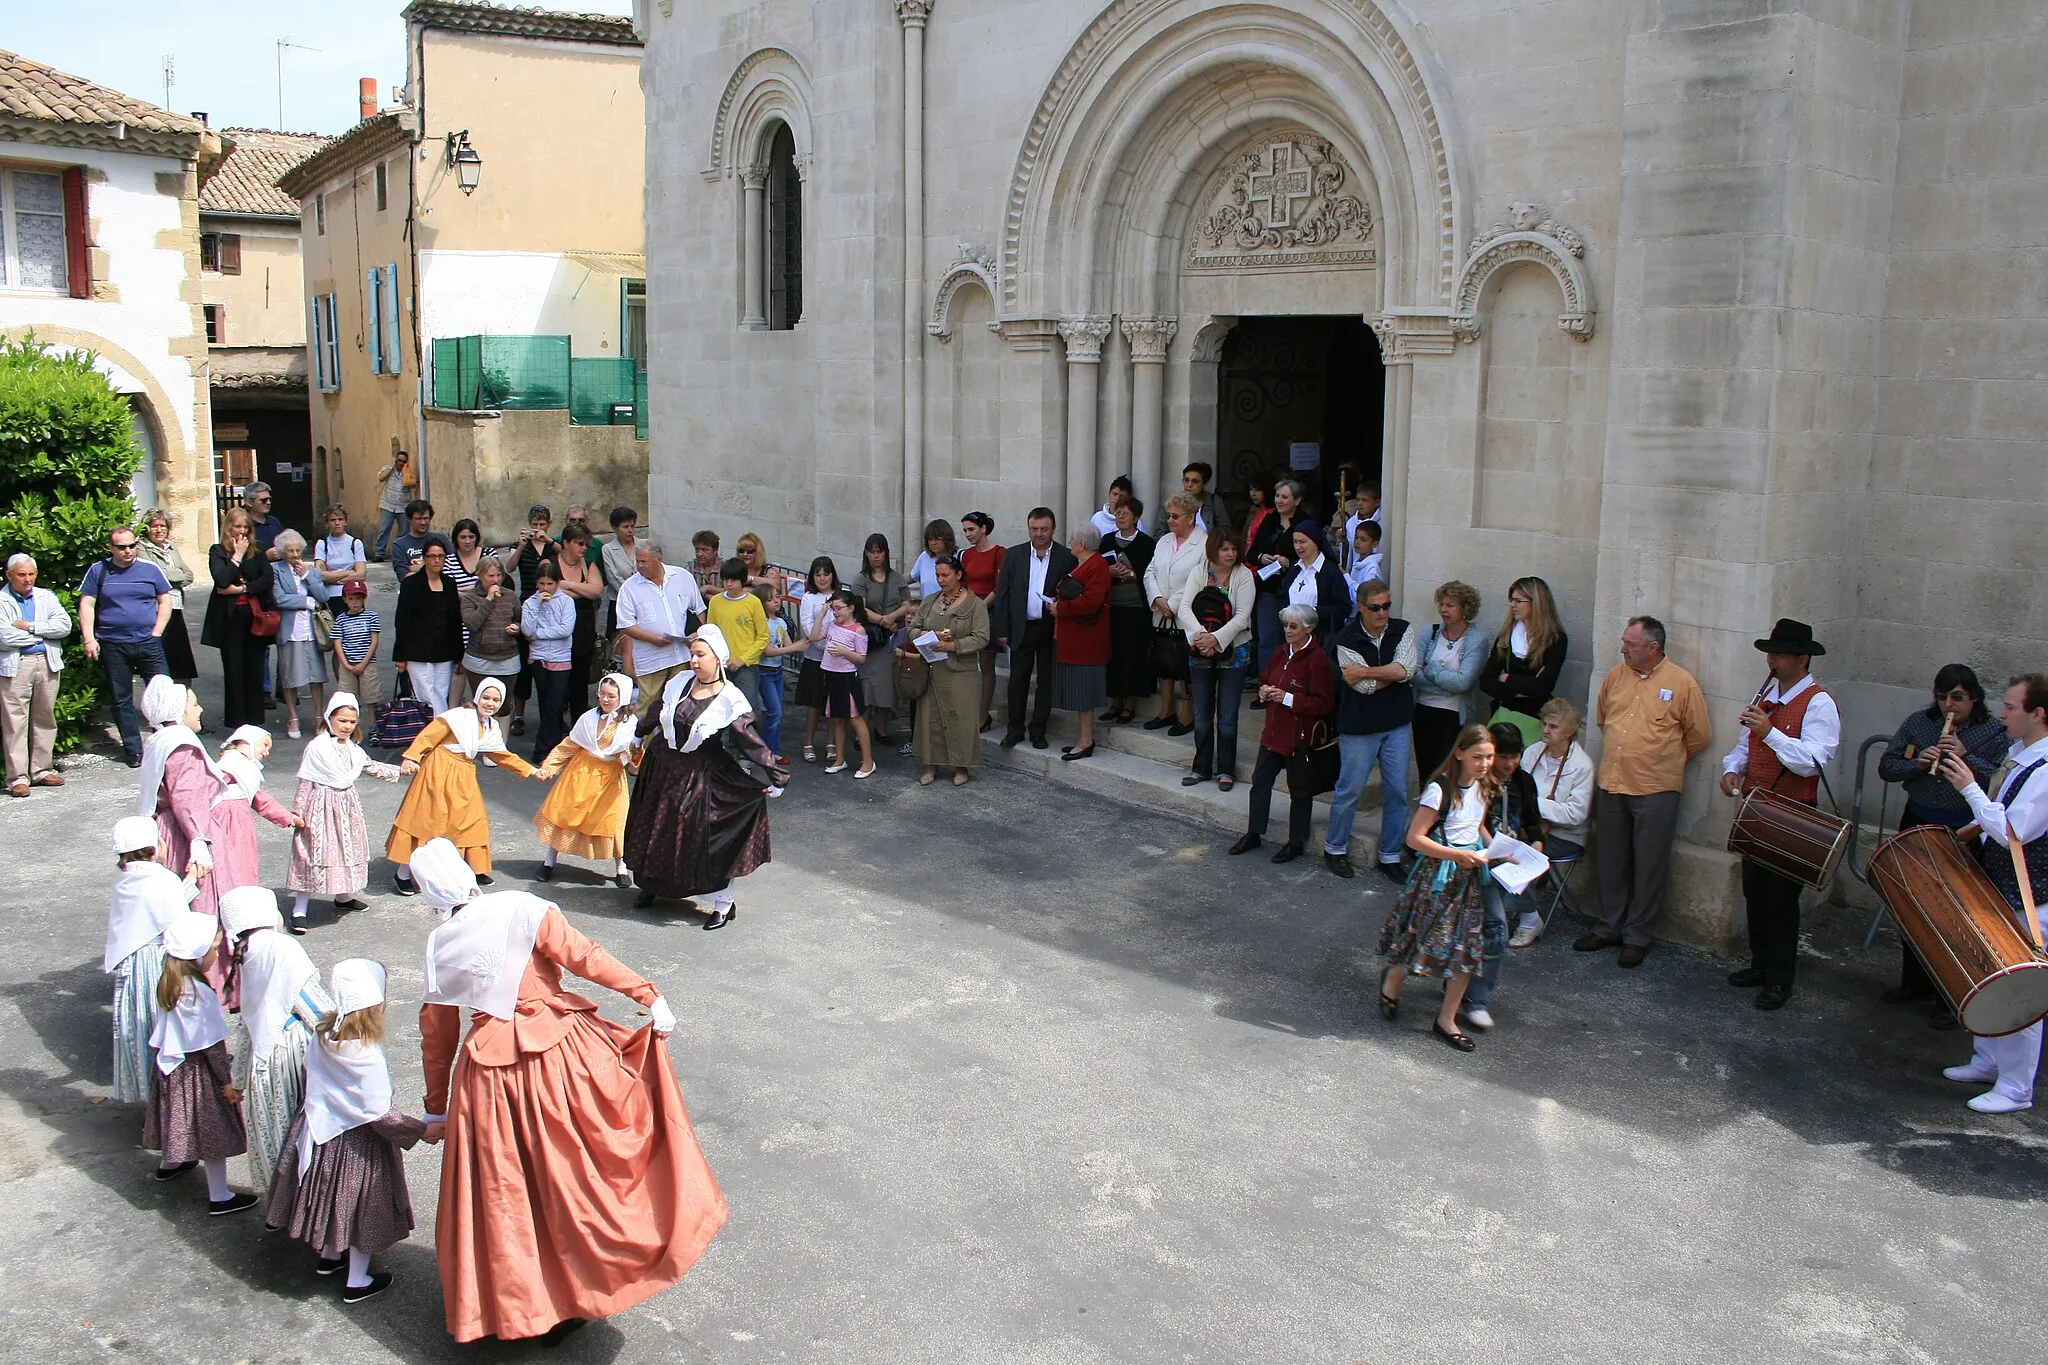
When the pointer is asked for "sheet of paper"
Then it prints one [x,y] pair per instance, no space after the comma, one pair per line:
[1275,567]
[928,647]
[1516,866]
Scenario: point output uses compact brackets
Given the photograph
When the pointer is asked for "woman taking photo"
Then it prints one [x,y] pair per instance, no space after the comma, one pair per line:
[1521,673]
[1127,551]
[1081,642]
[490,616]
[1215,611]
[241,576]
[946,734]
[156,547]
[1299,690]
[1447,695]
[297,591]
[885,603]
[1438,926]
[427,629]
[980,562]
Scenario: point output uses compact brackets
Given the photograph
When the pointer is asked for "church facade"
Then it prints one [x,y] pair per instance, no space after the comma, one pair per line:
[1715,310]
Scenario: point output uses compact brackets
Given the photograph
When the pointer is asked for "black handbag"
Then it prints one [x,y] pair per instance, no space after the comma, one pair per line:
[403,718]
[1324,759]
[1168,653]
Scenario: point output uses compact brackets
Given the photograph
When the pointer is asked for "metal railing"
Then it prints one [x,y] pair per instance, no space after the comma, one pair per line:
[1862,869]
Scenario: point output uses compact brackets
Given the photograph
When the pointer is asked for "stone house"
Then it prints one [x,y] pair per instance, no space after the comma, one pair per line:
[475,274]
[99,251]
[1714,311]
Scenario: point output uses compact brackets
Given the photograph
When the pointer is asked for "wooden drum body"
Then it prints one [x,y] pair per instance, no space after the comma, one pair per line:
[1789,837]
[1962,929]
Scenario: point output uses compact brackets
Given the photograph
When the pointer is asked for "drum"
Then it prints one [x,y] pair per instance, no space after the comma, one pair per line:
[1789,837]
[1970,939]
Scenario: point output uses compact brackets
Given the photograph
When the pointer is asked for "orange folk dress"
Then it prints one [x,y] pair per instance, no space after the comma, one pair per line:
[444,801]
[572,1185]
[584,815]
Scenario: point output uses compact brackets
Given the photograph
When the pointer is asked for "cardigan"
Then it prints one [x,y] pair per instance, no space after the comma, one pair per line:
[1461,679]
[1244,594]
[1529,682]
[50,628]
[1080,625]
[1170,569]
[427,625]
[230,612]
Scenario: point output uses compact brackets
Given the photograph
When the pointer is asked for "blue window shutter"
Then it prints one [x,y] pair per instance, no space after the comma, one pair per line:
[316,332]
[394,334]
[373,318]
[334,341]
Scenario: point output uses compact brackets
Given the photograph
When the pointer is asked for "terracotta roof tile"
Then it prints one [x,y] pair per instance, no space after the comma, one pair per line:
[31,90]
[522,23]
[247,181]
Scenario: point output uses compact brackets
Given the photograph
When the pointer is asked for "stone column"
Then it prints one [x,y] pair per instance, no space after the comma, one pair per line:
[755,179]
[1083,337]
[913,15]
[1148,339]
[1404,334]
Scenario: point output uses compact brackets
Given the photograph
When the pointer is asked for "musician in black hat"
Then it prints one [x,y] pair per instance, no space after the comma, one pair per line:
[1791,732]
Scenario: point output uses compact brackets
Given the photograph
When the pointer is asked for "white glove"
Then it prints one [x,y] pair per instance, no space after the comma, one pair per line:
[664,1017]
[774,792]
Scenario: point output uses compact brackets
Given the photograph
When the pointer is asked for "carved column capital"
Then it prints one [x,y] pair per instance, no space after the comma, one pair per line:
[913,13]
[1084,336]
[755,177]
[1148,338]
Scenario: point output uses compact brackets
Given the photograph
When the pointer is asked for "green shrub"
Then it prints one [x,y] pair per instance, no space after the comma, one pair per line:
[67,454]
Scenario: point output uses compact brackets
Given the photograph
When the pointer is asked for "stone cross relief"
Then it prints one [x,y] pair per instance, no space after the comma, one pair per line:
[1284,205]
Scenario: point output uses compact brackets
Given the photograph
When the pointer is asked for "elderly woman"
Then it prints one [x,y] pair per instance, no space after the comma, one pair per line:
[241,575]
[1297,687]
[1215,612]
[1957,723]
[156,547]
[298,591]
[1528,655]
[490,621]
[427,628]
[1562,771]
[1447,695]
[1177,557]
[1081,642]
[946,733]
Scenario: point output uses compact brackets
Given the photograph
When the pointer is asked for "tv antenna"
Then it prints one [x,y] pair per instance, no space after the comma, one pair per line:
[170,73]
[282,44]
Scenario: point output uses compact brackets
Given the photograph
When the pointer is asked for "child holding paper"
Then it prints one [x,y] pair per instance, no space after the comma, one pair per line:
[1513,811]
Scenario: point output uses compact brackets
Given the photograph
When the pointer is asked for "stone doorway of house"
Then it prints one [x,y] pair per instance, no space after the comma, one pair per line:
[1284,381]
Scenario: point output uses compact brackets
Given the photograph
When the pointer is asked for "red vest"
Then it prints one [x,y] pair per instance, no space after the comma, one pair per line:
[1765,769]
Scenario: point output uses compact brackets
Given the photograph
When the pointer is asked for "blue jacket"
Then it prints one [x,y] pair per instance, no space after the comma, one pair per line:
[1461,679]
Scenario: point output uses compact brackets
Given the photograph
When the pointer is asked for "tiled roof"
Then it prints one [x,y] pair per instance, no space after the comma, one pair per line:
[373,137]
[522,23]
[247,181]
[42,94]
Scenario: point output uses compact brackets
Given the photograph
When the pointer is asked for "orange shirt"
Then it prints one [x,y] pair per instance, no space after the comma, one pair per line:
[1649,727]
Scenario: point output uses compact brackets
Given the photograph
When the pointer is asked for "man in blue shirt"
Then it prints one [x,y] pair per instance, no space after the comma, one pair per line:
[123,606]
[264,527]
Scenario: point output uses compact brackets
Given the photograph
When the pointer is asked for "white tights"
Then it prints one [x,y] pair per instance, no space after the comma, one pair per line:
[358,1269]
[216,1178]
[619,868]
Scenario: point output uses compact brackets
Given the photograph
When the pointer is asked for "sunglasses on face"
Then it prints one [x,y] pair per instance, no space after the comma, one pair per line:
[1377,606]
[1956,694]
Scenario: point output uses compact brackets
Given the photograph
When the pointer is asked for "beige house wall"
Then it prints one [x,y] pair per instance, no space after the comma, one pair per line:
[266,302]
[494,465]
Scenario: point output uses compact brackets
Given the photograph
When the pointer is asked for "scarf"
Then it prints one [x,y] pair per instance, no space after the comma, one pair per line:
[156,758]
[332,762]
[606,737]
[473,734]
[146,897]
[347,1084]
[274,970]
[478,956]
[195,1025]
[243,774]
[722,710]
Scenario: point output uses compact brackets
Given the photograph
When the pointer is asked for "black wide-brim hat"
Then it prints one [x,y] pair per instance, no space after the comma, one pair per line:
[1791,637]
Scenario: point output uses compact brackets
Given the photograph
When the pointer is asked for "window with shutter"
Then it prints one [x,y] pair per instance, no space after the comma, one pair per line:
[80,258]
[216,324]
[373,318]
[317,331]
[394,336]
[33,222]
[209,251]
[231,253]
[333,340]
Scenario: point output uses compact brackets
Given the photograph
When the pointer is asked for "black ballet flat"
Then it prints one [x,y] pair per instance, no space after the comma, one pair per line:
[379,1282]
[720,918]
[1069,755]
[623,881]
[546,874]
[555,1335]
[296,925]
[483,879]
[1390,1006]
[405,887]
[350,904]
[173,1172]
[323,1266]
[1456,1038]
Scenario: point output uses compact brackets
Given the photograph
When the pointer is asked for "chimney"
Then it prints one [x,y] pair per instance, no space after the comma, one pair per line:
[366,97]
[200,114]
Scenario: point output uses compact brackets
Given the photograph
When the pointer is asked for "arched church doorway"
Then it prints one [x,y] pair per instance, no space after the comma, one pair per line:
[1288,384]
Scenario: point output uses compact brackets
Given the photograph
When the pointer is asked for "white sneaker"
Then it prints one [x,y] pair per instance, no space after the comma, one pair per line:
[1527,932]
[1477,1017]
[1991,1102]
[1968,1074]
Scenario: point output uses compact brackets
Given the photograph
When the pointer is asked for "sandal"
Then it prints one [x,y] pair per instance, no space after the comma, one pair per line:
[810,754]
[1225,782]
[1457,1038]
[1390,1006]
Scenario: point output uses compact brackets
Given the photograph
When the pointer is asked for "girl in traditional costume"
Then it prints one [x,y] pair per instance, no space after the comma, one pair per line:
[280,1004]
[193,1116]
[444,801]
[572,1186]
[698,821]
[331,851]
[179,784]
[585,813]
[147,896]
[236,861]
[340,1183]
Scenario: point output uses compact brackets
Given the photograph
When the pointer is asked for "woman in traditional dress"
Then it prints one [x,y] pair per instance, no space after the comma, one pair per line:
[280,1004]
[179,785]
[946,731]
[340,1182]
[236,860]
[147,896]
[698,822]
[572,1186]
[331,851]
[444,801]
[1438,925]
[585,813]
[193,1117]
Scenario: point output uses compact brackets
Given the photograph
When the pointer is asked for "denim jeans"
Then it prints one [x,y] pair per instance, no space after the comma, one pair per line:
[771,709]
[1358,754]
[1498,904]
[1218,692]
[551,696]
[123,659]
[388,522]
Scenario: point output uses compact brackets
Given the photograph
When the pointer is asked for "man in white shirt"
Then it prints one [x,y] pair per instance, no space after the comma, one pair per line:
[1020,623]
[658,608]
[1791,733]
[2019,814]
[1120,493]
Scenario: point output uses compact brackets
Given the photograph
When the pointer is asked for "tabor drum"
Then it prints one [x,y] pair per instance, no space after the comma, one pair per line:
[1789,837]
[1962,929]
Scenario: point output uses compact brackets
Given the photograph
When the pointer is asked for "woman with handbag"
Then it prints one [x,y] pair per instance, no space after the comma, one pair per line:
[1177,557]
[299,593]
[946,731]
[1127,553]
[1521,674]
[1297,687]
[240,619]
[156,547]
[884,595]
[1081,642]
[1215,610]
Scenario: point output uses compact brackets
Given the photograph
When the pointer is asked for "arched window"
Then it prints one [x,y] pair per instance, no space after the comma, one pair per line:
[785,263]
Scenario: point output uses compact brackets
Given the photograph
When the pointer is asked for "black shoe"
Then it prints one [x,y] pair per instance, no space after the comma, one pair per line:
[555,1335]
[1942,1018]
[1773,997]
[1340,864]
[132,760]
[323,1266]
[623,881]
[296,924]
[546,873]
[406,886]
[270,703]
[1177,730]
[1012,741]
[350,904]
[483,879]
[1907,995]
[720,918]
[1457,1038]
[1245,844]
[518,725]
[643,901]
[234,1203]
[1158,722]
[379,1282]
[173,1172]
[1748,976]
[1258,706]
[1287,853]
[1069,755]
[1039,742]
[1394,873]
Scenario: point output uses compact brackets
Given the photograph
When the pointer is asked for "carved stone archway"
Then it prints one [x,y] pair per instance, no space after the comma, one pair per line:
[1529,233]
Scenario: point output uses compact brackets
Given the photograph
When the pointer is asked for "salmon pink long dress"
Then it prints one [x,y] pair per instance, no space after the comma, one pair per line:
[572,1185]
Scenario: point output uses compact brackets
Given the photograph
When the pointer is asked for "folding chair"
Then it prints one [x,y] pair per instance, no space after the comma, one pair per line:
[1560,875]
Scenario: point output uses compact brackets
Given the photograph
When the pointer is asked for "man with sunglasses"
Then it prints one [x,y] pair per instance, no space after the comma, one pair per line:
[123,606]
[1376,658]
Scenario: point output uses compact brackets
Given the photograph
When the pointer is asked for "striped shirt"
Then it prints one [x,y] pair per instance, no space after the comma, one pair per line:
[352,631]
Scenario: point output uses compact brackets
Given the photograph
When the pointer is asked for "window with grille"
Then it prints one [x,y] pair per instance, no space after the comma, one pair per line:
[785,262]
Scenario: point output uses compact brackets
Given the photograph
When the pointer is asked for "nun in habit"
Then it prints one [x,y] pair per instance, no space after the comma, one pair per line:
[179,786]
[572,1186]
[698,821]
[281,1004]
[147,896]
